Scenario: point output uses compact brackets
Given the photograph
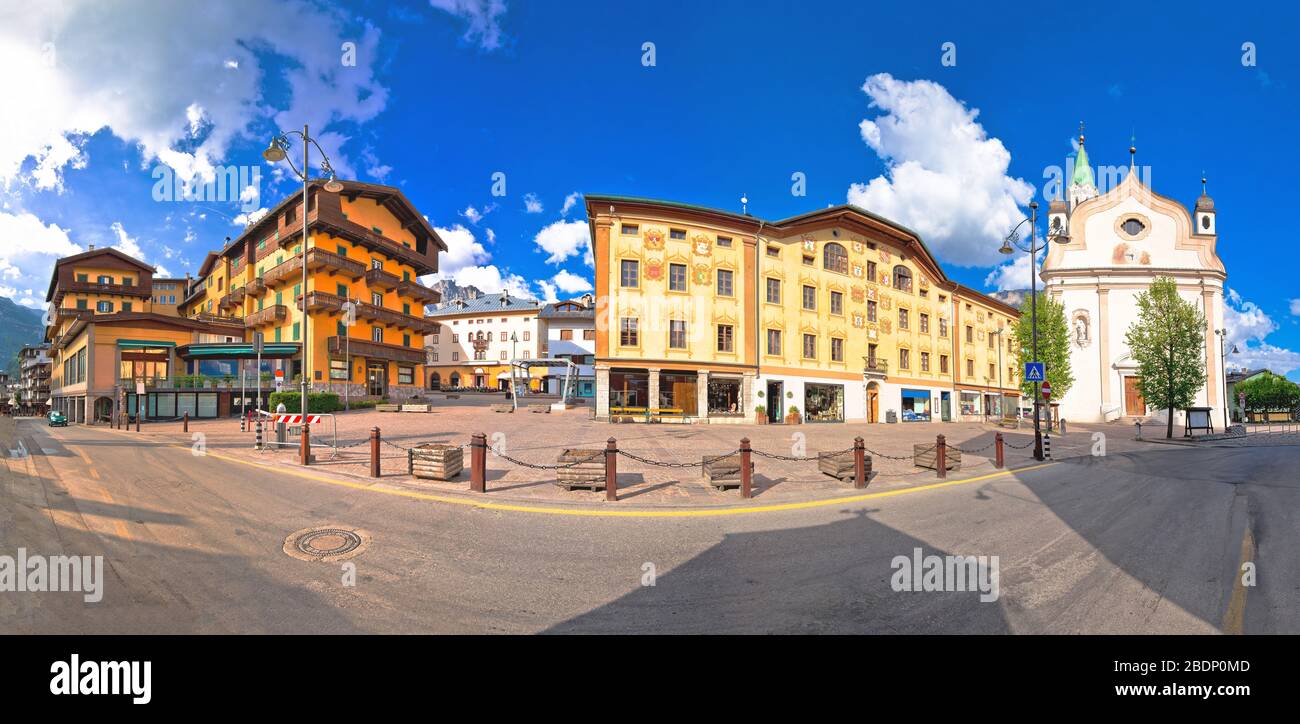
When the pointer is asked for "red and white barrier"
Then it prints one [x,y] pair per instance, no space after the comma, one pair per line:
[290,419]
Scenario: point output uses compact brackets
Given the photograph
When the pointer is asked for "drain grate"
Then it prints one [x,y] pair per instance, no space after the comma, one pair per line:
[326,543]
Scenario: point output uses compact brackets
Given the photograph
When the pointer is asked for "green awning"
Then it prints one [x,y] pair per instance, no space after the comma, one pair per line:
[241,350]
[142,343]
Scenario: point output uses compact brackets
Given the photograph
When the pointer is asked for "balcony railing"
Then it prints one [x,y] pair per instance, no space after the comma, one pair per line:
[130,290]
[418,292]
[323,302]
[208,318]
[875,366]
[317,259]
[270,315]
[380,279]
[395,318]
[375,350]
[256,287]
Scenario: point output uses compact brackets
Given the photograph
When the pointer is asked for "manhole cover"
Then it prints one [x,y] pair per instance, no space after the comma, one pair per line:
[326,543]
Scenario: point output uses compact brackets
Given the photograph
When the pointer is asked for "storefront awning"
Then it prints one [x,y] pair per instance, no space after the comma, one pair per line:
[238,350]
[142,344]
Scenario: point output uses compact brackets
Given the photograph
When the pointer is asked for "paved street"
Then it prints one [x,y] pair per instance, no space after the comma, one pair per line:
[1146,540]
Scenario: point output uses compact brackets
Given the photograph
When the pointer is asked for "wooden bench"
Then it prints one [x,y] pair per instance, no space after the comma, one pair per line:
[589,474]
[926,456]
[415,408]
[841,465]
[388,408]
[503,408]
[723,473]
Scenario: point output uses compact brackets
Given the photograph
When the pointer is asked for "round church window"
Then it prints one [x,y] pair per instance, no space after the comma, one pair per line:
[1132,227]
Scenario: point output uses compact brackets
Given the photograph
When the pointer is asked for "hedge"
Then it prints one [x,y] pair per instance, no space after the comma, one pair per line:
[317,402]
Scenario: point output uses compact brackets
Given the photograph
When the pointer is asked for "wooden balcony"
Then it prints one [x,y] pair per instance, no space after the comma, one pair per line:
[273,314]
[218,319]
[129,290]
[397,319]
[323,302]
[376,350]
[65,314]
[418,292]
[290,270]
[256,287]
[380,279]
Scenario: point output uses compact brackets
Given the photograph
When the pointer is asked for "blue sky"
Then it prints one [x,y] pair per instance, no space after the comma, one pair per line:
[444,94]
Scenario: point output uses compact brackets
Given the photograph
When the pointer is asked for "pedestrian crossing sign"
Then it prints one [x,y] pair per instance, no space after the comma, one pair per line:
[1034,372]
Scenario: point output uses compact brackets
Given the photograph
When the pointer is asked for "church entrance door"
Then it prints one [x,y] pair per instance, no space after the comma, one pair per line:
[1134,405]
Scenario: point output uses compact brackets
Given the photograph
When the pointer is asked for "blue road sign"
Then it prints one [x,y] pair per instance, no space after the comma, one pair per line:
[1034,372]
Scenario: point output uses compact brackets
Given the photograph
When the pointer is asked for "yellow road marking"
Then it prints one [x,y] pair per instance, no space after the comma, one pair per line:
[693,513]
[1234,619]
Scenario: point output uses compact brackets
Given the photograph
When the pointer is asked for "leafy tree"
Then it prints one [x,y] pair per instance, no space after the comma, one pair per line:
[1270,393]
[1053,344]
[1168,342]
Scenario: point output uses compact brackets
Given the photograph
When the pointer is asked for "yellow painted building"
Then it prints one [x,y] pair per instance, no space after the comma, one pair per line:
[367,245]
[833,315]
[105,336]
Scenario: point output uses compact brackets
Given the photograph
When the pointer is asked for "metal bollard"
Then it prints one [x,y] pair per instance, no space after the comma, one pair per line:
[1047,444]
[243,421]
[374,452]
[1139,427]
[998,460]
[611,470]
[941,456]
[304,449]
[859,463]
[185,422]
[1062,427]
[257,442]
[746,474]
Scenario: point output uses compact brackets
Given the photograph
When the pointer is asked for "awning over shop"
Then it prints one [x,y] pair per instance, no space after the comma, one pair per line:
[238,350]
[142,344]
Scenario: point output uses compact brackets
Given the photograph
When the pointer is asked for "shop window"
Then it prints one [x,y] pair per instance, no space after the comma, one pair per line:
[405,375]
[724,397]
[823,403]
[916,406]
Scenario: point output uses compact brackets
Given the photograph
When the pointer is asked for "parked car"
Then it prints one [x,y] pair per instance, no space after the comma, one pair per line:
[56,419]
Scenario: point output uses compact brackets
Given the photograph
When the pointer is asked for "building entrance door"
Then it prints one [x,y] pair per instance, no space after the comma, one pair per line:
[1133,403]
[774,400]
[377,379]
[873,404]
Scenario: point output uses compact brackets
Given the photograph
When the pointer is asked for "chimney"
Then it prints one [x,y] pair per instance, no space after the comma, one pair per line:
[505,297]
[90,247]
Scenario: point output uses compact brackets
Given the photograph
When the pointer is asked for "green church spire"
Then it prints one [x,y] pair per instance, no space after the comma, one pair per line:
[1082,170]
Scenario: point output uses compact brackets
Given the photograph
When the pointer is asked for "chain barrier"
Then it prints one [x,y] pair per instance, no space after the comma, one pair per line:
[1013,446]
[908,458]
[539,466]
[661,464]
[975,451]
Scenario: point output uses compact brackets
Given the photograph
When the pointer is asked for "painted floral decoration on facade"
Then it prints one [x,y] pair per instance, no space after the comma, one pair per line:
[654,269]
[702,275]
[701,245]
[653,239]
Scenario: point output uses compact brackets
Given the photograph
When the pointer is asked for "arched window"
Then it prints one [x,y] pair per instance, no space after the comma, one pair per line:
[835,258]
[902,278]
[455,379]
[435,381]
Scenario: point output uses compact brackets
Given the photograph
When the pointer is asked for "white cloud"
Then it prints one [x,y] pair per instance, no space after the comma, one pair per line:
[569,202]
[82,66]
[463,250]
[570,283]
[490,279]
[532,204]
[475,215]
[1247,326]
[126,243]
[945,177]
[549,294]
[28,250]
[1013,275]
[564,239]
[249,218]
[1295,307]
[483,19]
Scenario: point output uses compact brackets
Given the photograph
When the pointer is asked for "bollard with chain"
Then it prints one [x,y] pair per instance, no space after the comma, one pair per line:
[941,456]
[746,473]
[611,470]
[478,463]
[859,463]
[998,460]
[305,448]
[374,452]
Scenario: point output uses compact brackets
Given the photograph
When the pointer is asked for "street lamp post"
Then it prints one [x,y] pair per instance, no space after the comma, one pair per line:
[1223,365]
[1009,246]
[274,153]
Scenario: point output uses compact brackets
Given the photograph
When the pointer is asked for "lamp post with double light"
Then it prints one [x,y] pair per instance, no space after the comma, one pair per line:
[275,152]
[1009,246]
[1223,365]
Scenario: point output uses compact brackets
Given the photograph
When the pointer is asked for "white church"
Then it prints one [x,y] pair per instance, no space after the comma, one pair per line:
[1114,245]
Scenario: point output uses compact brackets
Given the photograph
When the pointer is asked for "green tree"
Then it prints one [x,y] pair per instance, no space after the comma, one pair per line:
[1168,343]
[1270,393]
[1053,344]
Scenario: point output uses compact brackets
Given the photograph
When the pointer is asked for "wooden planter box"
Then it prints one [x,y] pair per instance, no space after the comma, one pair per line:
[415,408]
[723,473]
[388,408]
[432,461]
[589,474]
[503,408]
[840,465]
[540,408]
[924,456]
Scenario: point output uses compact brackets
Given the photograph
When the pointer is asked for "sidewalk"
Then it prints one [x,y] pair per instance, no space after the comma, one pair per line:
[539,438]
